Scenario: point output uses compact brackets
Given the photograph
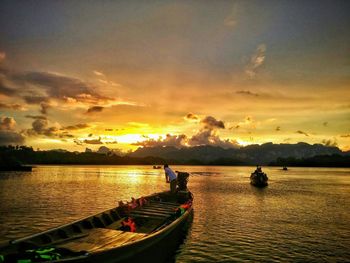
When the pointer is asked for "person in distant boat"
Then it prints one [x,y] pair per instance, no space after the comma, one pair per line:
[258,169]
[170,177]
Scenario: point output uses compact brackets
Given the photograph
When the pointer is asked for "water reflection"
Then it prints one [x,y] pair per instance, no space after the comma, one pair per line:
[303,215]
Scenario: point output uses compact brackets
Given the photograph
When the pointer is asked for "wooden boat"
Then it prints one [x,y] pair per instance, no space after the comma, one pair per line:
[109,236]
[259,179]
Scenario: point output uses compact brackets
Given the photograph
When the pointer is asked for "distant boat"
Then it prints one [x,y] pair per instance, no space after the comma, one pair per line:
[141,231]
[285,168]
[156,167]
[259,178]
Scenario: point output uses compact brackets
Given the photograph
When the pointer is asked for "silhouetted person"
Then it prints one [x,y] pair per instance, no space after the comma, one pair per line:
[258,169]
[170,177]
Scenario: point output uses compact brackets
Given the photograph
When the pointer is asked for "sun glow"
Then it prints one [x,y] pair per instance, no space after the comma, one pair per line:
[133,138]
[243,143]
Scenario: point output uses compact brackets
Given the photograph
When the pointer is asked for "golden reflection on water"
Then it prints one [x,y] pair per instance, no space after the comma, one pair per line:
[302,215]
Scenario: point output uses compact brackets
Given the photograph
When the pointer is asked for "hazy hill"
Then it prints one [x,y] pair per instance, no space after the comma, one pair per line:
[300,154]
[252,154]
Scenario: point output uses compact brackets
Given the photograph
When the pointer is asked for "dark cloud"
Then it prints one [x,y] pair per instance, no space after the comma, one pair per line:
[247,92]
[78,142]
[108,129]
[65,135]
[78,126]
[95,109]
[11,137]
[7,123]
[302,132]
[41,127]
[41,88]
[35,99]
[191,116]
[44,102]
[36,117]
[111,142]
[211,123]
[44,107]
[5,90]
[11,106]
[169,140]
[93,141]
[330,142]
[60,86]
[7,133]
[236,127]
[345,135]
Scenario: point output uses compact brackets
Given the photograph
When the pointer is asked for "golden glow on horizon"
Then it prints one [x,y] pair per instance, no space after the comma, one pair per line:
[242,143]
[133,138]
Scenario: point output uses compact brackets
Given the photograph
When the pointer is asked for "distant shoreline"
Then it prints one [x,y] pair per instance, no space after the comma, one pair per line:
[15,157]
[34,165]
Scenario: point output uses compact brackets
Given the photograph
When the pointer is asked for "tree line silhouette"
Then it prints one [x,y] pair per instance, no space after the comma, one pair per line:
[26,155]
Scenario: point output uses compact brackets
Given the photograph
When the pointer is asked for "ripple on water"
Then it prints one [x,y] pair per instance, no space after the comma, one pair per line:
[302,216]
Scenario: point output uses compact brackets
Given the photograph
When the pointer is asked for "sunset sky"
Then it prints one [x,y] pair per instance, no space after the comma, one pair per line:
[125,74]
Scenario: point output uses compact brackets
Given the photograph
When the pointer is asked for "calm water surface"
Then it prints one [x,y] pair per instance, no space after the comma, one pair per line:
[303,215]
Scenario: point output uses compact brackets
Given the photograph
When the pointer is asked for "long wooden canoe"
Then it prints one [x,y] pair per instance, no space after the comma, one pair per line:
[106,237]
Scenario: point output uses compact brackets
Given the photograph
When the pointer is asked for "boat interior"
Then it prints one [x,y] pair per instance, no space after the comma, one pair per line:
[105,230]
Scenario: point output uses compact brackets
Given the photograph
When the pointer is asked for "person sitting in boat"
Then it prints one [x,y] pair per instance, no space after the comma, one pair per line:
[258,169]
[170,177]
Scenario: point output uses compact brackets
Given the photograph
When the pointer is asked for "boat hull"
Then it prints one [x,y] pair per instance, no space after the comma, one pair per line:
[98,239]
[259,179]
[157,248]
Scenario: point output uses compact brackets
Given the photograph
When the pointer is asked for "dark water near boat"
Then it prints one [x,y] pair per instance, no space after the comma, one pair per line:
[302,216]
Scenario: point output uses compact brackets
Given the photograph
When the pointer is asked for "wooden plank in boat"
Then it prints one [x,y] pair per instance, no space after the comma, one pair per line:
[150,209]
[119,240]
[159,207]
[151,213]
[56,242]
[150,225]
[163,204]
[150,217]
[169,211]
[96,237]
[116,224]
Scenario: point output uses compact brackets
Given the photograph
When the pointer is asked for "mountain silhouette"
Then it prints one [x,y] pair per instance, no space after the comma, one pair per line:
[251,154]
